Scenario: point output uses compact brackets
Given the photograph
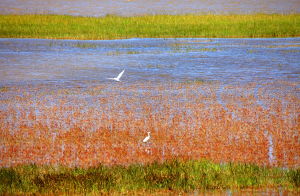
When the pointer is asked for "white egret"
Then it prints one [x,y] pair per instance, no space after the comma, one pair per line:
[147,138]
[118,77]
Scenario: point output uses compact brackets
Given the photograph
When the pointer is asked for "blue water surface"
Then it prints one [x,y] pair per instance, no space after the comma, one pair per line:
[229,61]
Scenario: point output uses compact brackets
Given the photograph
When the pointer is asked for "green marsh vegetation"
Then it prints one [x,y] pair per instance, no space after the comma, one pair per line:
[174,175]
[149,26]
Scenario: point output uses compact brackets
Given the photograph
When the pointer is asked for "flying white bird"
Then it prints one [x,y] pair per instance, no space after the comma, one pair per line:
[147,138]
[118,77]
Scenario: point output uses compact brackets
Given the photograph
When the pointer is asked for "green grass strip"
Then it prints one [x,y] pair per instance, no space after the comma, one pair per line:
[176,175]
[149,26]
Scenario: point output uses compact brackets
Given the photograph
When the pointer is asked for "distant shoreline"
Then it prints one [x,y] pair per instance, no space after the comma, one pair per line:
[150,26]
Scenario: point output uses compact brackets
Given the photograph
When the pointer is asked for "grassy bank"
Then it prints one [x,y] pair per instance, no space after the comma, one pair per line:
[175,176]
[163,26]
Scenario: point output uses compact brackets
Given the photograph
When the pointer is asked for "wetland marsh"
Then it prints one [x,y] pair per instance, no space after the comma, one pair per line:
[65,128]
[245,90]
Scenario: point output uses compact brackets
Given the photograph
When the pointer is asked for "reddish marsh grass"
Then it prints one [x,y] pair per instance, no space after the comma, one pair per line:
[79,127]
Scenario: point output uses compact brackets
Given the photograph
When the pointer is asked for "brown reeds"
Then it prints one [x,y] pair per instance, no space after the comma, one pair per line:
[80,127]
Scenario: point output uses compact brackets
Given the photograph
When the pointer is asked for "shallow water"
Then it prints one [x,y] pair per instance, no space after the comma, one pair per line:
[73,62]
[141,7]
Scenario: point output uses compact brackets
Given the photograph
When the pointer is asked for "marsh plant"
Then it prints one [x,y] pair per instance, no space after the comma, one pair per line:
[173,176]
[192,120]
[150,26]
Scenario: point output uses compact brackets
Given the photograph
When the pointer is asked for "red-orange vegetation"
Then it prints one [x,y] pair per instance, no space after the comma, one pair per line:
[107,125]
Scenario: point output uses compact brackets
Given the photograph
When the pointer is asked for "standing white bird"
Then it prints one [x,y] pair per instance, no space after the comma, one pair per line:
[147,138]
[118,77]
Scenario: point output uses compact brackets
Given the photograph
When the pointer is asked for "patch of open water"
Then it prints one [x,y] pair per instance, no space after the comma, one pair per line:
[142,7]
[74,62]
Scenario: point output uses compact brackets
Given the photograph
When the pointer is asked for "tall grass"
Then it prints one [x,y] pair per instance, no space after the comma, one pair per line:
[106,124]
[149,26]
[173,175]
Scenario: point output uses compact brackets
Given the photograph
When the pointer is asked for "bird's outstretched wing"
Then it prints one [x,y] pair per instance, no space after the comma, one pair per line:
[120,75]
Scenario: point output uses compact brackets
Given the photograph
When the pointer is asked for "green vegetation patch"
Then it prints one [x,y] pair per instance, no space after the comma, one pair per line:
[149,26]
[177,176]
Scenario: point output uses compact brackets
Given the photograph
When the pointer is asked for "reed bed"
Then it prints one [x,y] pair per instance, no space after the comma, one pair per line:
[106,125]
[149,26]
